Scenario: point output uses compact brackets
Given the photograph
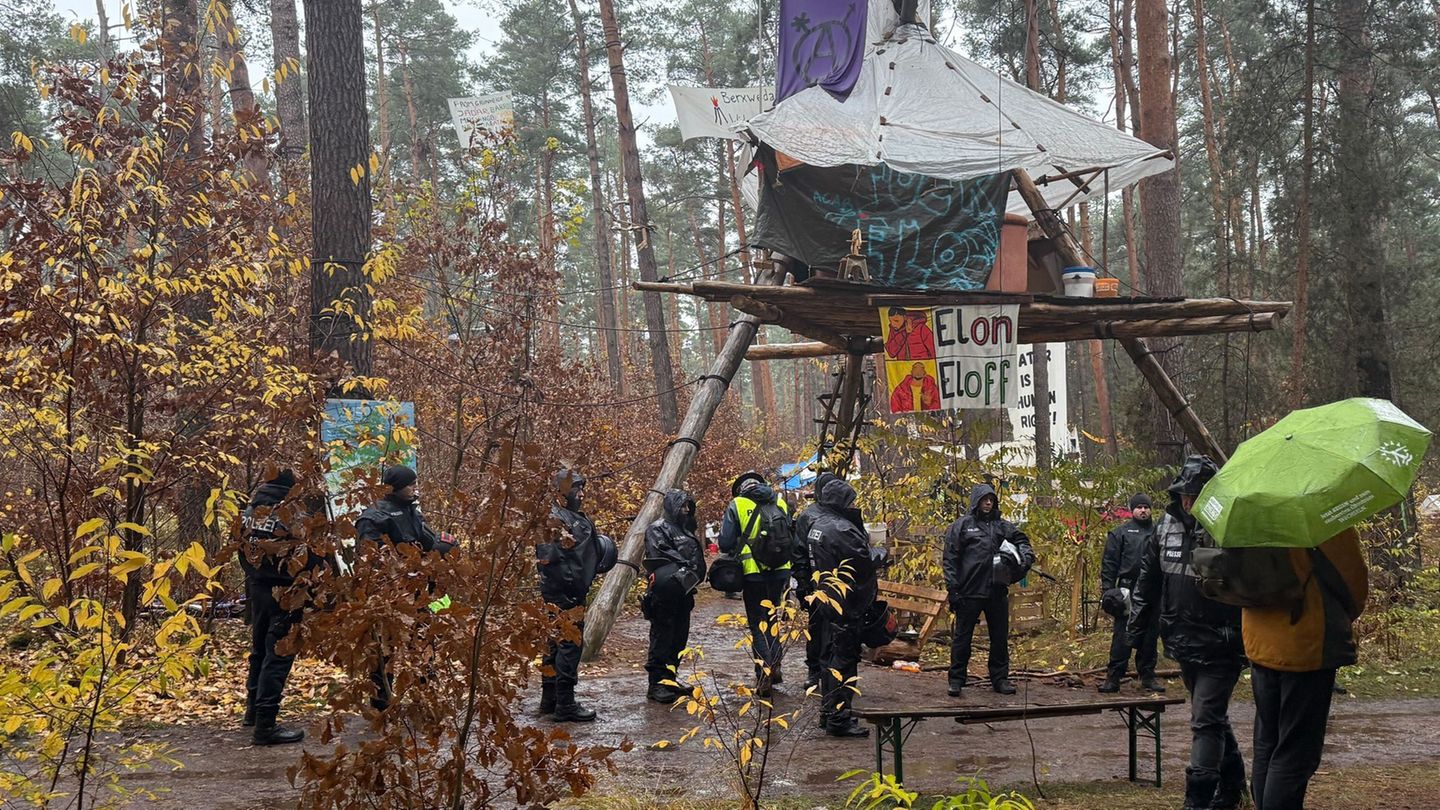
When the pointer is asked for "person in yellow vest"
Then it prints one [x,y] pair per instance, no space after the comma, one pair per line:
[757,529]
[1294,651]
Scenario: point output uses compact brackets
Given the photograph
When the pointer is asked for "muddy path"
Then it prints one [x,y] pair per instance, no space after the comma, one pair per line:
[222,771]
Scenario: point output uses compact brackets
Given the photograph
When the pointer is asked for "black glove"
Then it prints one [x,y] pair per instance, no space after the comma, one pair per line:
[1113,602]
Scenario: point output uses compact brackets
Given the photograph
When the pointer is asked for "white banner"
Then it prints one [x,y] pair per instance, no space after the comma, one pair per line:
[713,112]
[1022,418]
[492,111]
[945,358]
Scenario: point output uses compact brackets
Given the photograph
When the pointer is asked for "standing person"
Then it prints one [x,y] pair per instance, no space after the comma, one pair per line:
[676,563]
[1294,651]
[1201,634]
[841,549]
[984,554]
[1119,568]
[268,559]
[757,529]
[394,519]
[804,572]
[569,562]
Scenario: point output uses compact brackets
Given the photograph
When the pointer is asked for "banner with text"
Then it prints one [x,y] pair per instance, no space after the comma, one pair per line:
[1022,419]
[945,358]
[712,112]
[491,112]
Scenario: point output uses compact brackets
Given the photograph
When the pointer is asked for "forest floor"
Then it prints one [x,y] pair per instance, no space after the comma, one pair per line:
[1377,746]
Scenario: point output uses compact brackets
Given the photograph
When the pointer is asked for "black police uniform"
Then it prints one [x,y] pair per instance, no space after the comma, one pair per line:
[676,563]
[839,543]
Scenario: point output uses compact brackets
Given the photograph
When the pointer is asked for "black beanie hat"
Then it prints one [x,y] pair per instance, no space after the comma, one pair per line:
[398,477]
[1139,499]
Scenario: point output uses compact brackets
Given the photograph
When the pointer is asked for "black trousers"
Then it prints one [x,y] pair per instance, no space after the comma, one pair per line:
[815,643]
[764,645]
[269,670]
[839,652]
[1217,772]
[670,610]
[996,608]
[1291,712]
[1145,654]
[561,663]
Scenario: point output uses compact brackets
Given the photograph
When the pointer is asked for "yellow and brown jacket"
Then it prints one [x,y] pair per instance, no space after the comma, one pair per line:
[1320,636]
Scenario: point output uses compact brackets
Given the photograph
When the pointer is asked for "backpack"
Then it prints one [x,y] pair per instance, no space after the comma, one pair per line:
[1248,577]
[774,544]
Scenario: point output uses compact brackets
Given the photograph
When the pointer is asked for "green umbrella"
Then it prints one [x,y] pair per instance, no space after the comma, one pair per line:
[1316,472]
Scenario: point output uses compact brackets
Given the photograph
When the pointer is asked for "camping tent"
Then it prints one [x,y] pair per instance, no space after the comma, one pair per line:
[920,107]
[799,475]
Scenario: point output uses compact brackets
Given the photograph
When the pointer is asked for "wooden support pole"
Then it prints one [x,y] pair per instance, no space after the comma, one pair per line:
[673,469]
[807,349]
[1137,348]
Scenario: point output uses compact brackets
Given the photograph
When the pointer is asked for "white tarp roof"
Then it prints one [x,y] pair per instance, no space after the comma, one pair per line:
[923,108]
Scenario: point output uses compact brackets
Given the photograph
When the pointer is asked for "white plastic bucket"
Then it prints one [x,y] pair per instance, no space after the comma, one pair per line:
[1079,282]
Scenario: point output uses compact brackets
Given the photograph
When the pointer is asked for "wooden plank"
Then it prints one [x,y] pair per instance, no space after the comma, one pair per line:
[939,298]
[795,351]
[910,606]
[919,591]
[983,714]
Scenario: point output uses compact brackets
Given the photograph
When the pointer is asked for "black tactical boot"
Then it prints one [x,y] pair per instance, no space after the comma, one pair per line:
[850,729]
[267,733]
[957,688]
[1150,683]
[547,698]
[662,694]
[1004,687]
[1111,684]
[567,710]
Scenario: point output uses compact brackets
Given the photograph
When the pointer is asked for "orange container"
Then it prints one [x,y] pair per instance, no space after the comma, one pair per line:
[1010,270]
[1107,288]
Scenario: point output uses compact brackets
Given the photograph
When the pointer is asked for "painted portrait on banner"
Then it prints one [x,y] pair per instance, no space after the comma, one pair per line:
[945,358]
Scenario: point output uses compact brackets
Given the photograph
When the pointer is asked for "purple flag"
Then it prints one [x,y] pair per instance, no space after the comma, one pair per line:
[821,42]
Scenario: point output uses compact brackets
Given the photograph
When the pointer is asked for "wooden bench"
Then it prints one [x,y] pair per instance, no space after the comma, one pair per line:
[921,607]
[893,726]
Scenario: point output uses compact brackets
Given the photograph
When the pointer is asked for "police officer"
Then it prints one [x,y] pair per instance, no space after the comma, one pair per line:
[568,563]
[803,571]
[1201,634]
[270,557]
[740,530]
[395,519]
[984,554]
[1119,567]
[840,549]
[676,563]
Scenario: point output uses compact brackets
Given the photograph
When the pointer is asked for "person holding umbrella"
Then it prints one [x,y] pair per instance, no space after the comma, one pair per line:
[1281,510]
[1201,634]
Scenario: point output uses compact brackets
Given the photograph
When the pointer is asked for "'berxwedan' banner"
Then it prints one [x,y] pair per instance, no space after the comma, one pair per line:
[944,358]
[492,111]
[712,112]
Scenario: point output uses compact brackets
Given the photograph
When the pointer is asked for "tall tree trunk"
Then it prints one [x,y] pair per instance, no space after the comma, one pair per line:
[1219,212]
[760,373]
[1125,97]
[1160,197]
[382,108]
[717,336]
[1097,359]
[1362,205]
[1040,352]
[289,91]
[340,224]
[608,322]
[640,217]
[246,112]
[1302,218]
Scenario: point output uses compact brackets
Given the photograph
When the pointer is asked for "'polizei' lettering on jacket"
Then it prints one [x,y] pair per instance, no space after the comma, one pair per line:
[1174,558]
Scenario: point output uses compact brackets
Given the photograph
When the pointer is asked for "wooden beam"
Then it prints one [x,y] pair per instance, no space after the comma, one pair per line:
[679,456]
[796,351]
[766,312]
[1137,348]
[1164,327]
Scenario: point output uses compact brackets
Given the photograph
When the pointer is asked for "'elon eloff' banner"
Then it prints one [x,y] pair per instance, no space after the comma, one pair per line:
[944,358]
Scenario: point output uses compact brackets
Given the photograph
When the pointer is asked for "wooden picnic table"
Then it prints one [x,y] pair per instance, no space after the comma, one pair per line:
[893,726]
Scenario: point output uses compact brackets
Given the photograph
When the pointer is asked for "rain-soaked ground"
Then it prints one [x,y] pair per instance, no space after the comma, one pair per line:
[222,771]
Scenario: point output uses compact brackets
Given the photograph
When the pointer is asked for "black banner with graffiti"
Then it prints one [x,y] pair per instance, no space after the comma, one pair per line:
[921,233]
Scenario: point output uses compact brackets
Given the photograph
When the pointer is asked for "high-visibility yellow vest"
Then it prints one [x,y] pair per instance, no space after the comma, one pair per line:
[744,508]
